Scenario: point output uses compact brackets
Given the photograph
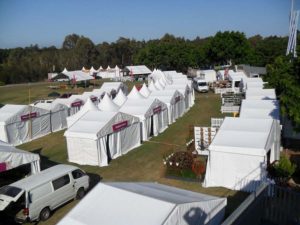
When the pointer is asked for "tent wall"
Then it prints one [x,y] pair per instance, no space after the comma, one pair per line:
[59,119]
[235,171]
[83,151]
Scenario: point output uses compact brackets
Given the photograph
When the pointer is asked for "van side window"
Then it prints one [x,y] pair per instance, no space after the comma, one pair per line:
[60,182]
[77,174]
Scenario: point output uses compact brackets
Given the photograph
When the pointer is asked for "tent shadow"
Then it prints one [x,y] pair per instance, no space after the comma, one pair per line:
[45,161]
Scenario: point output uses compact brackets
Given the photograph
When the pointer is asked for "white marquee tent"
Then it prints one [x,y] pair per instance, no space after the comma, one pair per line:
[11,157]
[111,88]
[88,106]
[262,94]
[240,152]
[78,75]
[22,123]
[153,115]
[135,94]
[260,109]
[145,91]
[73,104]
[97,137]
[108,105]
[120,98]
[58,115]
[174,101]
[147,204]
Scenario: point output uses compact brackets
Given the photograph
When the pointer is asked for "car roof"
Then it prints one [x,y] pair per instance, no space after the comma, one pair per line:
[44,176]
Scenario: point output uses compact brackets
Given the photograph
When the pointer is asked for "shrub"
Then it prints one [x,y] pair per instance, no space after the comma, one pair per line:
[284,167]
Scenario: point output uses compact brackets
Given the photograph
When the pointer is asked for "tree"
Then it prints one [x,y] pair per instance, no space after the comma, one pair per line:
[70,41]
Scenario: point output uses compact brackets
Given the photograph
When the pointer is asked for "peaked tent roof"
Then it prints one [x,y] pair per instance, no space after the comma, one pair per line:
[88,106]
[95,124]
[150,204]
[135,94]
[243,136]
[108,105]
[145,91]
[152,87]
[158,85]
[120,99]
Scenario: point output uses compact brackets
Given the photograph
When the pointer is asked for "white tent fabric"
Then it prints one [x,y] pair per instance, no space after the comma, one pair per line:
[120,99]
[88,106]
[110,88]
[157,75]
[152,87]
[152,113]
[135,94]
[11,157]
[262,94]
[78,75]
[92,71]
[137,70]
[174,101]
[100,136]
[73,105]
[92,95]
[108,105]
[260,109]
[58,113]
[185,91]
[240,151]
[150,204]
[22,123]
[158,85]
[249,83]
[145,91]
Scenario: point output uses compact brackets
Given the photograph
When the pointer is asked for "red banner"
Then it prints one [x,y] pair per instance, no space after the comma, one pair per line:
[3,166]
[28,116]
[119,126]
[177,99]
[76,104]
[94,99]
[157,110]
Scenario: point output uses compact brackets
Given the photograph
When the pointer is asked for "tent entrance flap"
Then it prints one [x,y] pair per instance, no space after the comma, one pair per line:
[109,158]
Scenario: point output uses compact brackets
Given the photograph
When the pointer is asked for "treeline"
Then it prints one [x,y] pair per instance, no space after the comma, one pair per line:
[32,63]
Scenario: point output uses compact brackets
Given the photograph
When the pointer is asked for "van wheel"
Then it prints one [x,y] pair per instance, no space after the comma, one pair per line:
[45,214]
[80,193]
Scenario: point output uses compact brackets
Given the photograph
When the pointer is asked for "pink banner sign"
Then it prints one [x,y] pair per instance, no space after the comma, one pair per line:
[76,104]
[157,110]
[119,126]
[94,99]
[28,116]
[177,99]
[2,166]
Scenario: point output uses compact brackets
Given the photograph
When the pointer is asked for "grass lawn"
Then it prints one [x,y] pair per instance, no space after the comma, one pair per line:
[143,163]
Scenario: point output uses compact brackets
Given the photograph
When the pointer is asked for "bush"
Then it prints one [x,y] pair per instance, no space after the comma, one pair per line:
[2,83]
[284,167]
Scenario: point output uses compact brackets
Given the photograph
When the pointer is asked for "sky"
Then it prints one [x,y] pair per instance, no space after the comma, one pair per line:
[47,22]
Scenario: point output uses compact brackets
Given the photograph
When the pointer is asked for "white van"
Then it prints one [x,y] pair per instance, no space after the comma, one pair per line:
[36,196]
[200,85]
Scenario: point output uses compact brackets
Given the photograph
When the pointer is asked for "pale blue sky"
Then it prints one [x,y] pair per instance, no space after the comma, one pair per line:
[47,22]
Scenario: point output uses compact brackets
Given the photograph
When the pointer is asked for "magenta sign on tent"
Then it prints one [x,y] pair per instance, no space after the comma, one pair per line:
[76,104]
[119,126]
[28,116]
[157,110]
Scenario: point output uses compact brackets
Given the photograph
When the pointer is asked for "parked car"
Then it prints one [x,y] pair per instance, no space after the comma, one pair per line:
[34,197]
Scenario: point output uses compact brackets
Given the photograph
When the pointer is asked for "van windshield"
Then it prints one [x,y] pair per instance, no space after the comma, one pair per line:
[10,191]
[202,84]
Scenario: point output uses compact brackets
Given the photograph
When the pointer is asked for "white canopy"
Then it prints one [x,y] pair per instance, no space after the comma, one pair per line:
[147,204]
[88,106]
[135,94]
[11,157]
[153,115]
[152,87]
[144,91]
[99,136]
[22,123]
[108,105]
[58,113]
[136,70]
[74,104]
[120,99]
[78,75]
[158,85]
[240,151]
[260,109]
[262,94]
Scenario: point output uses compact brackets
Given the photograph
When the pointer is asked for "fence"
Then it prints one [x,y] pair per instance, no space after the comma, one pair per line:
[230,109]
[216,122]
[269,204]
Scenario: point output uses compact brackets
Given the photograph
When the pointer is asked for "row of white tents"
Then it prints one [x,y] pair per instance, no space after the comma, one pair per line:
[244,146]
[97,134]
